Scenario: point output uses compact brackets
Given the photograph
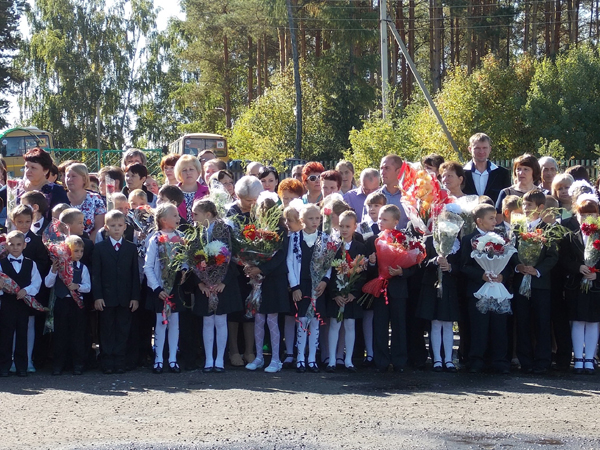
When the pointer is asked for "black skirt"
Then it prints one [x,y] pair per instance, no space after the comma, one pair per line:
[230,300]
[583,307]
[351,310]
[155,304]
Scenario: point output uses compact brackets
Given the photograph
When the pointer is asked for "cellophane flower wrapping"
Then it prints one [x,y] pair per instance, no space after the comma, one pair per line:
[492,252]
[324,250]
[467,203]
[11,199]
[167,249]
[208,258]
[256,242]
[394,249]
[531,245]
[446,229]
[591,253]
[11,287]
[142,220]
[348,272]
[54,237]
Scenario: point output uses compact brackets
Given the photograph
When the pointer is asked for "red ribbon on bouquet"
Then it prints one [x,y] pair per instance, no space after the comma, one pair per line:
[168,305]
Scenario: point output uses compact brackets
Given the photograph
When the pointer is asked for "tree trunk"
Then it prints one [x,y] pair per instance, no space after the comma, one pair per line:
[534,27]
[281,35]
[557,23]
[318,43]
[259,86]
[298,85]
[266,61]
[250,70]
[548,27]
[227,90]
[403,66]
[526,21]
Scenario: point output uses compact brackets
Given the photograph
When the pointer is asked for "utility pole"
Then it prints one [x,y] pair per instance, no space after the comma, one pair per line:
[98,124]
[298,149]
[384,57]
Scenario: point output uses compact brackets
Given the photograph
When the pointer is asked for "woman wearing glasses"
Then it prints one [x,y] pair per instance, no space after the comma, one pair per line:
[311,177]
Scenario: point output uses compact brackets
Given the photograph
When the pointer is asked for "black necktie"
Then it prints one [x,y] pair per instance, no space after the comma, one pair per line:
[14,260]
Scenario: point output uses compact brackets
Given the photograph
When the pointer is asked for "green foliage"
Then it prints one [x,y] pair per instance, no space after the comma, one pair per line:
[553,149]
[10,12]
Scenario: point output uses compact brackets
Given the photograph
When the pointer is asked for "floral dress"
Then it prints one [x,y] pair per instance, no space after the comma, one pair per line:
[91,207]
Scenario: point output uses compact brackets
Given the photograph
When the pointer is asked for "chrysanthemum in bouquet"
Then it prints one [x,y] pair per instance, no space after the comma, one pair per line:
[257,241]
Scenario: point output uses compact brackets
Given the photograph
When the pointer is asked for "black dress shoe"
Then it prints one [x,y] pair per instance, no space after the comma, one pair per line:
[22,374]
[120,371]
[526,370]
[368,362]
[313,367]
[450,367]
[540,370]
[77,372]
[399,369]
[208,370]
[3,374]
[56,372]
[107,371]
[504,371]
[219,369]
[158,368]
[330,369]
[300,367]
[174,368]
[437,366]
[351,369]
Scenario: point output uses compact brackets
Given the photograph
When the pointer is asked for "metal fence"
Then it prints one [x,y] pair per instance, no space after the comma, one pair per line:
[94,159]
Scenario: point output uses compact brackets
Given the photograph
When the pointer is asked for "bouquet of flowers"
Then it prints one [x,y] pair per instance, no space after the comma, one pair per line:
[591,253]
[208,259]
[167,249]
[12,185]
[466,204]
[492,252]
[10,286]
[142,220]
[348,273]
[324,251]
[445,233]
[257,242]
[3,248]
[54,237]
[394,249]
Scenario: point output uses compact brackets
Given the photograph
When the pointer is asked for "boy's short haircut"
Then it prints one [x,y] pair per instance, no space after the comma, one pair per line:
[512,203]
[348,215]
[15,234]
[482,209]
[70,215]
[137,168]
[114,214]
[21,210]
[551,202]
[118,197]
[60,208]
[36,198]
[536,196]
[391,209]
[376,198]
[291,214]
[308,207]
[139,193]
[485,200]
[171,193]
[73,241]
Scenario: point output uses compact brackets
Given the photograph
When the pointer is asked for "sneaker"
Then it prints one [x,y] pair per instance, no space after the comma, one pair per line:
[258,363]
[274,367]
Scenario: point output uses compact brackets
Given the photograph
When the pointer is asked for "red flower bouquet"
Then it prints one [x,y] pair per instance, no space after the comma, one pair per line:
[10,286]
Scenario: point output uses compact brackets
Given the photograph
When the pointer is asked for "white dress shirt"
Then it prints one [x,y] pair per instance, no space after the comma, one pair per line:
[36,279]
[86,283]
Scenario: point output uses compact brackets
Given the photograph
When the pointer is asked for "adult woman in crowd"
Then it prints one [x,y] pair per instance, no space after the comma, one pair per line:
[346,170]
[560,191]
[167,167]
[269,177]
[527,174]
[288,190]
[331,181]
[311,177]
[89,203]
[247,190]
[187,172]
[225,177]
[37,165]
[133,155]
[453,177]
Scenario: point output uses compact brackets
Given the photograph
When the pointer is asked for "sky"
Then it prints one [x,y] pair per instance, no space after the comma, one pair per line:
[169,8]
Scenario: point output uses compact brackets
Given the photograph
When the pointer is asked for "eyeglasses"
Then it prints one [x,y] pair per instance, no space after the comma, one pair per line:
[314,177]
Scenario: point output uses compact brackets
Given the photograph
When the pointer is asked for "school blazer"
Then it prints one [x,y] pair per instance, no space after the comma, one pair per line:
[498,179]
[115,274]
[548,259]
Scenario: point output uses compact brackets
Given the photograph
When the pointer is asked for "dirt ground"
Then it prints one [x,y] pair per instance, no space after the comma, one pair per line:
[242,410]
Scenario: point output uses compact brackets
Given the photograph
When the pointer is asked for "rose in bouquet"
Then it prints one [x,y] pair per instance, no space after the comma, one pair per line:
[142,220]
[394,249]
[348,273]
[591,252]
[492,252]
[3,246]
[10,286]
[256,242]
[167,249]
[446,229]
[54,237]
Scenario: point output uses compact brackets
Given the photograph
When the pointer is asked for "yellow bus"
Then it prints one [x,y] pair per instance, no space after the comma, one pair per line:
[15,142]
[195,143]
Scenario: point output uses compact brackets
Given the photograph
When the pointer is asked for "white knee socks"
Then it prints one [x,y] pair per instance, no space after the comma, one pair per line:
[275,336]
[333,336]
[448,339]
[349,337]
[435,339]
[305,327]
[221,326]
[259,334]
[160,331]
[578,336]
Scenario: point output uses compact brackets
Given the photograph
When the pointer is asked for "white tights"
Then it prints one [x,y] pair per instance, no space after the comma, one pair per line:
[334,332]
[259,334]
[212,323]
[441,331]
[368,331]
[584,334]
[310,328]
[160,331]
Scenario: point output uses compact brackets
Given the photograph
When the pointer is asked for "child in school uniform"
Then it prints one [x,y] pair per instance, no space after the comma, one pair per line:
[352,311]
[511,204]
[120,203]
[157,257]
[37,344]
[534,356]
[584,307]
[299,258]
[204,212]
[39,204]
[394,312]
[69,318]
[489,326]
[116,290]
[14,312]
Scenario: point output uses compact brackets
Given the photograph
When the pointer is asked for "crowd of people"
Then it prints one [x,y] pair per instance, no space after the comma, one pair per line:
[121,313]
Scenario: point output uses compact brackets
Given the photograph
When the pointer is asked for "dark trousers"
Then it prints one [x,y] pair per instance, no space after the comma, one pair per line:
[533,317]
[561,326]
[464,325]
[415,326]
[115,324]
[69,334]
[486,327]
[14,318]
[393,314]
[190,337]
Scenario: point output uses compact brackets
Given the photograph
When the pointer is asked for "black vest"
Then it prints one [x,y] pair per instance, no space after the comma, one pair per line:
[23,278]
[60,290]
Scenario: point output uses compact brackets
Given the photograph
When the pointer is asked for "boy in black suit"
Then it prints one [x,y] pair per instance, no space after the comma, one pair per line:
[39,204]
[116,289]
[535,309]
[22,217]
[490,327]
[14,312]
